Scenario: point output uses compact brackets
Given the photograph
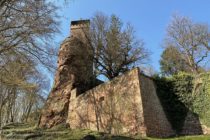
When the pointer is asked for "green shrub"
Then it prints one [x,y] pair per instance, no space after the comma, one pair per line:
[183,88]
[182,93]
[201,104]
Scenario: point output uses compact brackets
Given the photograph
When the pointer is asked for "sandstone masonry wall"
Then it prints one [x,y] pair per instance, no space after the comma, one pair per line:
[111,107]
[192,125]
[154,116]
[127,104]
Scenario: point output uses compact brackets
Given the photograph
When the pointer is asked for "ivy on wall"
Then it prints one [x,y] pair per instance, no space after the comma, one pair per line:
[182,93]
[201,103]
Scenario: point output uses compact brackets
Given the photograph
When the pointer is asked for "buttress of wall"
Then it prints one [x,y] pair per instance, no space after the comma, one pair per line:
[157,125]
[113,107]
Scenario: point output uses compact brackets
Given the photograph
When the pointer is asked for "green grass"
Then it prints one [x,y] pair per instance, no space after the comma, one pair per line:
[61,132]
[187,138]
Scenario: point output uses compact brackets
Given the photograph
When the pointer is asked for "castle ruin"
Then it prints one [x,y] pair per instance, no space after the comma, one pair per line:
[126,105]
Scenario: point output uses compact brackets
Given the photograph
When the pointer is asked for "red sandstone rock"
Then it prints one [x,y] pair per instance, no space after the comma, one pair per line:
[74,71]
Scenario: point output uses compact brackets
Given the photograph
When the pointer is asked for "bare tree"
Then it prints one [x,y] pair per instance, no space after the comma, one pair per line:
[116,48]
[191,40]
[26,27]
[19,80]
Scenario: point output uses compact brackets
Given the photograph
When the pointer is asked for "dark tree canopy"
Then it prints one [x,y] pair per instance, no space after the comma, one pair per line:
[172,63]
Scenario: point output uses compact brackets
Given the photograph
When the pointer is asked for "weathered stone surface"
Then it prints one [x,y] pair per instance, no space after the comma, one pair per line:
[127,104]
[155,121]
[74,71]
[56,107]
[205,129]
[192,125]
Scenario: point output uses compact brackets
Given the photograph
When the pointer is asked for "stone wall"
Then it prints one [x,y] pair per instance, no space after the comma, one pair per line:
[127,104]
[192,125]
[154,117]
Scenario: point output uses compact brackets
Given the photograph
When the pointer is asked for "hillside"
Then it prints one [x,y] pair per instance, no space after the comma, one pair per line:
[61,132]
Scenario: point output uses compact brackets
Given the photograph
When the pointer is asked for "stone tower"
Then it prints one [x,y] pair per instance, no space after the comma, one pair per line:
[75,57]
[75,71]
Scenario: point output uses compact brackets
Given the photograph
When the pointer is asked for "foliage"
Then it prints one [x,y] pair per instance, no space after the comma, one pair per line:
[193,91]
[182,93]
[201,104]
[183,88]
[171,63]
[21,90]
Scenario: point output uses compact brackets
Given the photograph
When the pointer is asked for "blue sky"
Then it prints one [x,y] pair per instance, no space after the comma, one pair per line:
[149,17]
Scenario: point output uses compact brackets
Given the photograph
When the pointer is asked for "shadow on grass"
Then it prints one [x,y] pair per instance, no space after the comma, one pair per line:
[107,137]
[121,138]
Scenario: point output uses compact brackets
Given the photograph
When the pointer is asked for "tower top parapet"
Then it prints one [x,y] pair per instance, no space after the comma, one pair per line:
[79,25]
[80,22]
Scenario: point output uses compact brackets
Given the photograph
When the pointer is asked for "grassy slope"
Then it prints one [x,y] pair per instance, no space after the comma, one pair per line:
[29,132]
